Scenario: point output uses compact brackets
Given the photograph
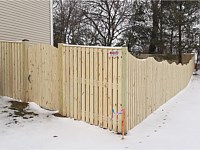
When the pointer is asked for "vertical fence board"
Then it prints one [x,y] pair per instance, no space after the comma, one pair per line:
[1,71]
[119,88]
[87,85]
[25,45]
[49,55]
[71,82]
[83,83]
[79,83]
[10,71]
[65,82]
[75,98]
[110,96]
[66,60]
[21,72]
[42,67]
[91,85]
[6,69]
[131,88]
[60,77]
[128,109]
[49,51]
[144,88]
[100,88]
[43,75]
[105,89]
[30,71]
[115,106]
[96,85]
[3,67]
[54,78]
[15,71]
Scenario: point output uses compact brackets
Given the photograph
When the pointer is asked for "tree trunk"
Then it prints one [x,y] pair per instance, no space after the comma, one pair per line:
[161,28]
[180,34]
[154,38]
[171,40]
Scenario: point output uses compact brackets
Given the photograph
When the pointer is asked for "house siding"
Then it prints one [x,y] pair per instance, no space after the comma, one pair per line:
[25,19]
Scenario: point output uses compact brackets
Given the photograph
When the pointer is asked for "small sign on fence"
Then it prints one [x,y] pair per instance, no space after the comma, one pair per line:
[113,53]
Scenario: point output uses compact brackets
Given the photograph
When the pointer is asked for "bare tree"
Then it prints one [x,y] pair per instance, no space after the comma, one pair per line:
[107,18]
[67,21]
[58,21]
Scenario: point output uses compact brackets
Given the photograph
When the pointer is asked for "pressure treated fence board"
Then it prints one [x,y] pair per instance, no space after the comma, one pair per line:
[65,82]
[110,96]
[91,101]
[71,78]
[100,89]
[66,95]
[75,97]
[83,84]
[87,85]
[79,84]
[96,96]
[1,66]
[105,89]
[115,106]
[119,90]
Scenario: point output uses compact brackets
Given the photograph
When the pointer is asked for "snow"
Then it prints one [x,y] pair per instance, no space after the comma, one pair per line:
[174,126]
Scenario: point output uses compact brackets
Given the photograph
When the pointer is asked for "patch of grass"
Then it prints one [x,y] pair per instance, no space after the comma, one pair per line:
[58,115]
[19,108]
[15,105]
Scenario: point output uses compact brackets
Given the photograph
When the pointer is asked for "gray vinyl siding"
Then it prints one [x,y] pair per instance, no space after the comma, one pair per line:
[25,19]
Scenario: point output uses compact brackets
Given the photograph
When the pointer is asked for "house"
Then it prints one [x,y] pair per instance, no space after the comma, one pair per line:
[26,19]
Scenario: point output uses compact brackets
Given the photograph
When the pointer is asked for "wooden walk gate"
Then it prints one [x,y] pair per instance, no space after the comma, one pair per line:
[92,80]
[88,83]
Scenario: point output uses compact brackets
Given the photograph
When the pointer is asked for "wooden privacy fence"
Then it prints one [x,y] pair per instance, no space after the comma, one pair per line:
[13,69]
[150,84]
[89,83]
[29,73]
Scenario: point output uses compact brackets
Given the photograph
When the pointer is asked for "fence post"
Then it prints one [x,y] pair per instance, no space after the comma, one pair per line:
[25,45]
[60,78]
[124,86]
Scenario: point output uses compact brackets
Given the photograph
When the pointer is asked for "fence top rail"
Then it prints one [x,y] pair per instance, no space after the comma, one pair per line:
[86,46]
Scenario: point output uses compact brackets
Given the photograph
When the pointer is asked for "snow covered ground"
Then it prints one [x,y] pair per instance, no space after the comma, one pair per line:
[175,125]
